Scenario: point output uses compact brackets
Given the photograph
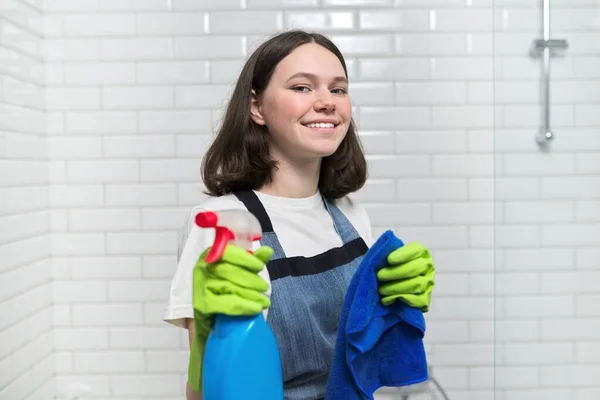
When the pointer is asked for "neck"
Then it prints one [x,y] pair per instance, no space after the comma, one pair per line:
[294,180]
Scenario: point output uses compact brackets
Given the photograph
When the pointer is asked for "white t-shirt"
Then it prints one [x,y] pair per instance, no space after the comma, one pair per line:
[303,227]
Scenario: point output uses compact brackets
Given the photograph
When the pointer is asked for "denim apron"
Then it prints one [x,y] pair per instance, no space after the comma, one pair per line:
[306,300]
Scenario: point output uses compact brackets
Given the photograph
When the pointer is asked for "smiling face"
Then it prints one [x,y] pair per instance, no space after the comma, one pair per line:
[305,106]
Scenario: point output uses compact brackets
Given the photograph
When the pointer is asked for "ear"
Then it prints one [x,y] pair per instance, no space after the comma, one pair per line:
[255,110]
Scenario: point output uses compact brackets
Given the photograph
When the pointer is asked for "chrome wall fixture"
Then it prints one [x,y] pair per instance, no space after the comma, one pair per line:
[545,48]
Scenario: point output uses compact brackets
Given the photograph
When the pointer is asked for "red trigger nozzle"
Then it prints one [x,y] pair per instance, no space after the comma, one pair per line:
[222,237]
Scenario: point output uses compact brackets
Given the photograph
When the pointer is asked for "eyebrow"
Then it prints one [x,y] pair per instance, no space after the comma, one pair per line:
[314,77]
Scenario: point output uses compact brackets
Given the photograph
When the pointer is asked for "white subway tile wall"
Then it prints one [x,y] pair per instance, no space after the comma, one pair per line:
[447,102]
[27,363]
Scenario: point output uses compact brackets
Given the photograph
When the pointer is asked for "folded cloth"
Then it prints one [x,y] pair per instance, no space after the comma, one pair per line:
[376,345]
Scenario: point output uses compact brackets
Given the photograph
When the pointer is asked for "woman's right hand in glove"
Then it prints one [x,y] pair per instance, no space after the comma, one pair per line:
[229,286]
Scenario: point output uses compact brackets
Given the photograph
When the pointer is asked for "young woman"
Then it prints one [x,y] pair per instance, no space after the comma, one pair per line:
[288,152]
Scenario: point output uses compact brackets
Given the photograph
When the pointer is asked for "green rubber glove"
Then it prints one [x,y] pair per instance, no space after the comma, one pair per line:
[410,277]
[229,286]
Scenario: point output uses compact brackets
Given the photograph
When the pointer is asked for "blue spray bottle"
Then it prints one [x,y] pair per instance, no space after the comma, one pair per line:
[241,357]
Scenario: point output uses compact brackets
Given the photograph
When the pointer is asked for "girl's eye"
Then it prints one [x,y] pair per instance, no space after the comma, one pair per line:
[339,91]
[299,88]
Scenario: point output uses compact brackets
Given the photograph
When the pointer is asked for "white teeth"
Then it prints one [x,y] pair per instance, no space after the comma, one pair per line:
[321,125]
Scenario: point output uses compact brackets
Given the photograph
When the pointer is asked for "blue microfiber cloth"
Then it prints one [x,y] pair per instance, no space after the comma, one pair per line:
[376,345]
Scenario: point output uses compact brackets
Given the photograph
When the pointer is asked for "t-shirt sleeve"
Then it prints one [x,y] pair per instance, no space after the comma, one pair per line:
[369,239]
[192,242]
[358,216]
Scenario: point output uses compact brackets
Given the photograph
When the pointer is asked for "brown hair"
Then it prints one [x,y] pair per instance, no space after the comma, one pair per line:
[239,159]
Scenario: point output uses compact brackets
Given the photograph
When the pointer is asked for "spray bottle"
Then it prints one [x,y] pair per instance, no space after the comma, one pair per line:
[241,357]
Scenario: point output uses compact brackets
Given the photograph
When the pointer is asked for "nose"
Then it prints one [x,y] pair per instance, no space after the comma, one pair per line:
[324,102]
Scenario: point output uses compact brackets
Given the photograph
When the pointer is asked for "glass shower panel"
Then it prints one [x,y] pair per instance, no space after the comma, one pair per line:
[547,199]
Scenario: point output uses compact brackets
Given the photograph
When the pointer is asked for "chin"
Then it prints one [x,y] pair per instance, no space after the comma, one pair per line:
[320,149]
[324,152]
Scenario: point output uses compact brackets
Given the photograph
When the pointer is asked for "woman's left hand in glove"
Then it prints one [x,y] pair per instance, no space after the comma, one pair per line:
[409,276]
